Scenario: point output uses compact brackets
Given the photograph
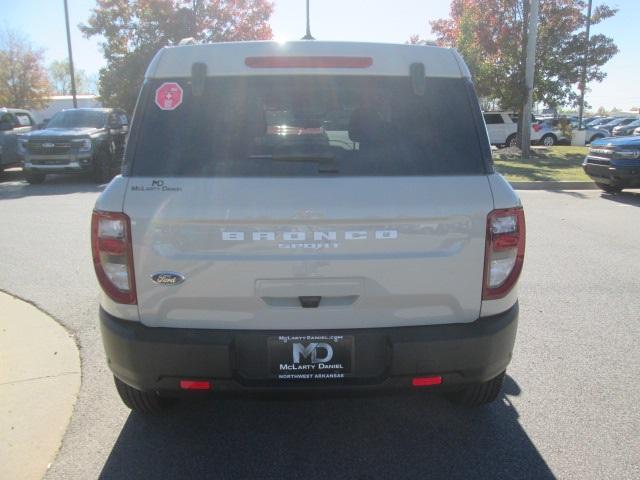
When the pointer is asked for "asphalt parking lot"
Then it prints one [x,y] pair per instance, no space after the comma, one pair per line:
[570,407]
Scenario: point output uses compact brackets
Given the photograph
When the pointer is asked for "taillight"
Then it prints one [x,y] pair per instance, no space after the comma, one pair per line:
[504,252]
[112,255]
[536,127]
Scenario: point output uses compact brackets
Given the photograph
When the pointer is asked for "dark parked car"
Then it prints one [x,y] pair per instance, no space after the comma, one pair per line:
[13,123]
[620,121]
[614,163]
[593,121]
[625,130]
[83,140]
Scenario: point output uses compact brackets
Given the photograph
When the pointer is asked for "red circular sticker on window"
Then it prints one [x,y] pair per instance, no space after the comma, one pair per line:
[169,96]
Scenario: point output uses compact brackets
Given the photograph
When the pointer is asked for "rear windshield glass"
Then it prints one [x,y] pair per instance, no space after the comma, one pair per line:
[78,118]
[306,126]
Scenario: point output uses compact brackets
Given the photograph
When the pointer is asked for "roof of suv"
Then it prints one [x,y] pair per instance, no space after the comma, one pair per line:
[226,59]
[13,110]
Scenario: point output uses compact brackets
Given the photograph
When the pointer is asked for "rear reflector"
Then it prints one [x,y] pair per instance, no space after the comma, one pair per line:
[308,62]
[426,381]
[195,385]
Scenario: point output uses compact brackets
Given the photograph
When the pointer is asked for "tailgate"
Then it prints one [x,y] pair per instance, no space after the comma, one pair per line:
[377,251]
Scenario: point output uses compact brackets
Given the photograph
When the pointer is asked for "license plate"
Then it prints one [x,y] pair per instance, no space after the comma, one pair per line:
[311,357]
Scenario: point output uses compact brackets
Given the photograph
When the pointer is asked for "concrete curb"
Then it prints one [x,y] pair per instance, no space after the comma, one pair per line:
[39,383]
[549,185]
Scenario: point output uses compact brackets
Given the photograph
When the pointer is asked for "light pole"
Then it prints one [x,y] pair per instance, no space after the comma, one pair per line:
[73,76]
[583,79]
[308,35]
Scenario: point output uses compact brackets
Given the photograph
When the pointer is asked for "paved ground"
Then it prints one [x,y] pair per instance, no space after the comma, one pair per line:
[38,360]
[570,409]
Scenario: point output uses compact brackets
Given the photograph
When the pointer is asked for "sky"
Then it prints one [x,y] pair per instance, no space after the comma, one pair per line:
[43,22]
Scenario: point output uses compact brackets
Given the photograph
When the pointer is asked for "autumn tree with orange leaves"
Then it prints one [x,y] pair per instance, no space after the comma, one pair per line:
[134,30]
[491,36]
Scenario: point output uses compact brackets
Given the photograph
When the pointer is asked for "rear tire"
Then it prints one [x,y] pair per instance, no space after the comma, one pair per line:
[34,178]
[609,188]
[146,403]
[512,141]
[479,394]
[548,140]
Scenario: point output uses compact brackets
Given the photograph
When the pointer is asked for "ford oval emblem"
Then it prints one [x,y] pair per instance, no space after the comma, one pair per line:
[167,278]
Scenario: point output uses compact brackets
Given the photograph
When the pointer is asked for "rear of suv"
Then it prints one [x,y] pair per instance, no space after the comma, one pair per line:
[313,215]
[502,128]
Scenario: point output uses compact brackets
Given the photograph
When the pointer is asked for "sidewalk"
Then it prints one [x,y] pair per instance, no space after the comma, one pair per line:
[39,382]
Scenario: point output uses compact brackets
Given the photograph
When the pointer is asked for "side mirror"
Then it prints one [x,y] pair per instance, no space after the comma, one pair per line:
[5,126]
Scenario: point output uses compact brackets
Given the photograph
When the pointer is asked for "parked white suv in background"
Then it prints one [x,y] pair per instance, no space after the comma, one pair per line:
[502,128]
[311,215]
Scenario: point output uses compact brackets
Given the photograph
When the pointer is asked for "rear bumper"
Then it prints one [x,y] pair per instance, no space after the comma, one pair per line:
[156,359]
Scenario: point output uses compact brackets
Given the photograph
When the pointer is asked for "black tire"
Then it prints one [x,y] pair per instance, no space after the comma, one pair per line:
[102,167]
[609,188]
[479,394]
[147,403]
[33,178]
[548,140]
[512,141]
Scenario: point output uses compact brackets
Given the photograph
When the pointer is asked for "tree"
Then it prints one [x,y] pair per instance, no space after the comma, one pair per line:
[23,78]
[61,78]
[490,36]
[134,30]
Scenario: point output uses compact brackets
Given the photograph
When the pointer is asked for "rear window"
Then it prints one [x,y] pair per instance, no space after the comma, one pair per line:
[78,118]
[493,118]
[307,126]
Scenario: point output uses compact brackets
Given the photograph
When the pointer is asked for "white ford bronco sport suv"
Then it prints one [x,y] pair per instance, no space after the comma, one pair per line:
[307,215]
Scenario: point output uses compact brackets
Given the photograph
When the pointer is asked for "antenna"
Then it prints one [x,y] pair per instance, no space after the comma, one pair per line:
[308,36]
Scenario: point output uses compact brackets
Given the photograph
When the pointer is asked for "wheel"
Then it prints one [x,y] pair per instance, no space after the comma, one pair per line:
[512,140]
[597,136]
[549,140]
[479,394]
[148,403]
[609,188]
[102,171]
[34,178]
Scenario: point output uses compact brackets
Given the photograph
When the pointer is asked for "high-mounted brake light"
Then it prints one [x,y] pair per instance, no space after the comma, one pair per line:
[112,255]
[308,62]
[504,252]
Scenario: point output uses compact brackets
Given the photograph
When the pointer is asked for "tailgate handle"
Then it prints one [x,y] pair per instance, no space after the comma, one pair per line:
[309,302]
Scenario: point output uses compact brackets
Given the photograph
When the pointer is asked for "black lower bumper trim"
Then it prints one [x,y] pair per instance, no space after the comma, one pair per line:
[611,175]
[153,358]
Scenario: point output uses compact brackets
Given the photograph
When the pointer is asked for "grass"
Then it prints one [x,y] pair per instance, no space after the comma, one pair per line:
[558,163]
